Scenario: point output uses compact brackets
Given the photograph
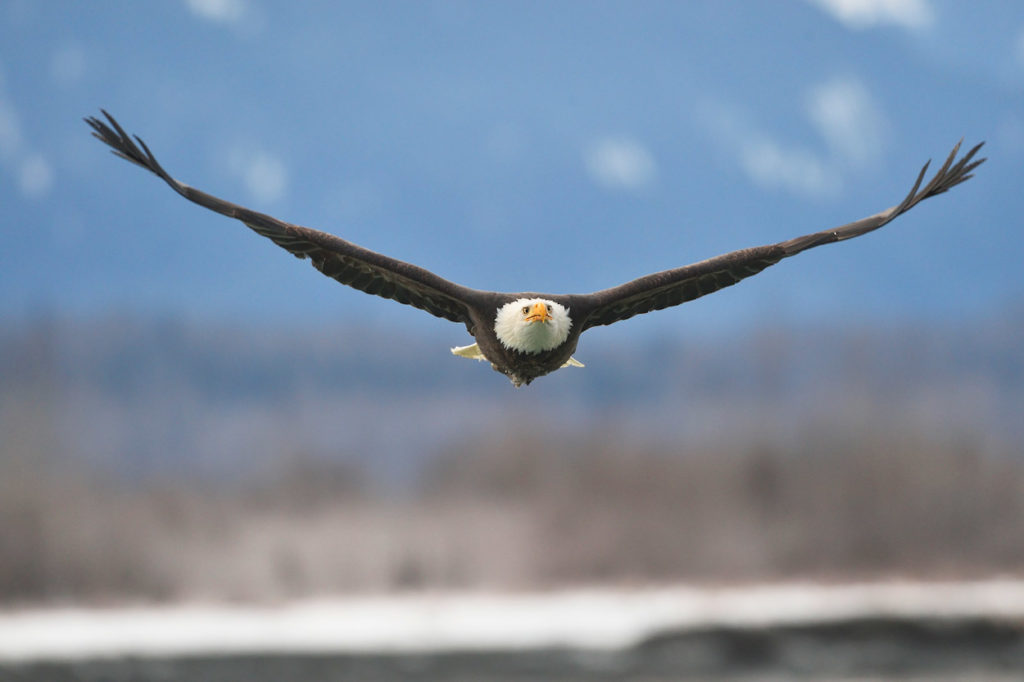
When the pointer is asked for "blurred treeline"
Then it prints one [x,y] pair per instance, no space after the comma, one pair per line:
[156,460]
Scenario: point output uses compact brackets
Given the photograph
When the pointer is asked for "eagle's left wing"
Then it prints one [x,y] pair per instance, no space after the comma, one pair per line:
[672,287]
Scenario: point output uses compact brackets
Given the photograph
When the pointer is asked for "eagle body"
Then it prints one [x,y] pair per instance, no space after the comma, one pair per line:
[524,335]
[519,357]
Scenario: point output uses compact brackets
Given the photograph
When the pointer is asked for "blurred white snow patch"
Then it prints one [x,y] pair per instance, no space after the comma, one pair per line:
[220,11]
[264,175]
[849,119]
[620,163]
[435,622]
[35,176]
[860,14]
[771,165]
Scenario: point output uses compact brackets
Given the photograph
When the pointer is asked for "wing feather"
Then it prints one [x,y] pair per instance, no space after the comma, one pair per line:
[337,258]
[672,287]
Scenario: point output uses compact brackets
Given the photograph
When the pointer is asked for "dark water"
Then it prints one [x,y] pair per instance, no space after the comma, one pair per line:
[874,649]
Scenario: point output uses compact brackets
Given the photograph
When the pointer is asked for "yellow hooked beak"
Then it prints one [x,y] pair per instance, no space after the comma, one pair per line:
[538,312]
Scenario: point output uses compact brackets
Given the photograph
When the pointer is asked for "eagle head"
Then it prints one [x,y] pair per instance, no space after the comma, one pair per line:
[532,325]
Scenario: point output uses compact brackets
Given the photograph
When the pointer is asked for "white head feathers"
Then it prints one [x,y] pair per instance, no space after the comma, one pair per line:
[532,325]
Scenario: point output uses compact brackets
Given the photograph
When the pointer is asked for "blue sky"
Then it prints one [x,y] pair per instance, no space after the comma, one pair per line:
[562,147]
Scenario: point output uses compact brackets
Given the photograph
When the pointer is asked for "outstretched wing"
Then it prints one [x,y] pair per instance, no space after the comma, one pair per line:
[344,261]
[672,287]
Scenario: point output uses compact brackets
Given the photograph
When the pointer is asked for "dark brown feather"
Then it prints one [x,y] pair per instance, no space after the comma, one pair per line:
[672,287]
[344,261]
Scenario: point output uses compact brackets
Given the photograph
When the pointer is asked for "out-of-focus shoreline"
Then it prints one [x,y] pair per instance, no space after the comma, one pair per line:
[596,620]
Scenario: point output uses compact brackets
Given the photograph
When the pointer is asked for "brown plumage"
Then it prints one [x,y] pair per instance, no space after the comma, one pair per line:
[380,275]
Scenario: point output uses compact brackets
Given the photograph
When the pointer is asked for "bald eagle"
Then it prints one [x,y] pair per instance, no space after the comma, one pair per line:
[523,335]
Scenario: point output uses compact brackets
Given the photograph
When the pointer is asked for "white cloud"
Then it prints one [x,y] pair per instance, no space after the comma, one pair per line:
[506,142]
[10,131]
[765,160]
[849,119]
[264,175]
[860,14]
[1019,48]
[218,11]
[1009,133]
[844,113]
[620,163]
[32,173]
[68,65]
[35,176]
[241,16]
[769,164]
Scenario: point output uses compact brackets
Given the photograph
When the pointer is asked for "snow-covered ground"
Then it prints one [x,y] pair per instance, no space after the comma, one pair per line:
[584,619]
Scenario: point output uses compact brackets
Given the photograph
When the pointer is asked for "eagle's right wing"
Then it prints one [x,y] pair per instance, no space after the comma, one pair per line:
[344,261]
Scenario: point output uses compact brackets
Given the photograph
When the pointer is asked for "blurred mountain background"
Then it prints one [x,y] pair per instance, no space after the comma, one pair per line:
[187,412]
[159,459]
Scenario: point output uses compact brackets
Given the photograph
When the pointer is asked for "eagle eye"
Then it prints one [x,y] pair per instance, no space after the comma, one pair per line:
[526,309]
